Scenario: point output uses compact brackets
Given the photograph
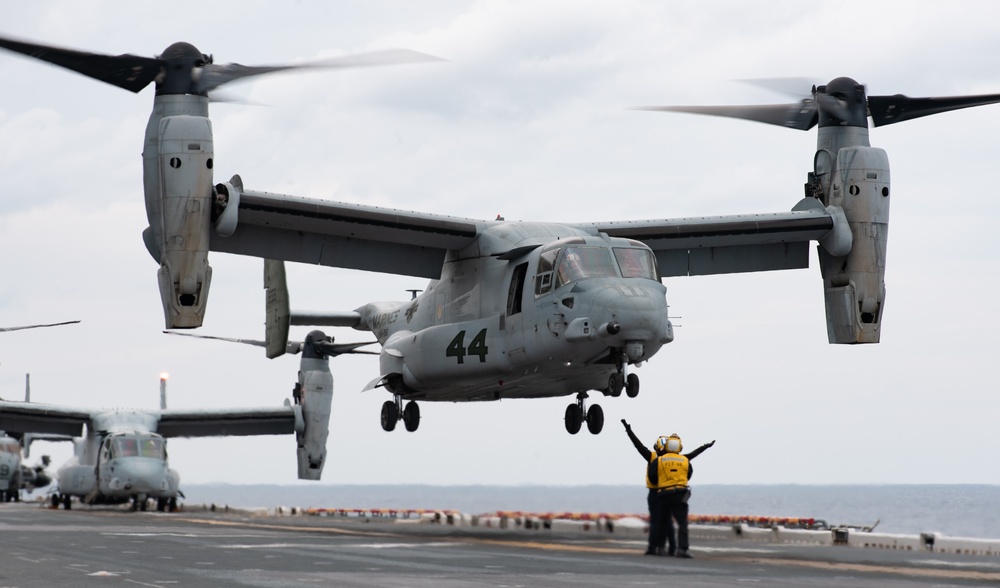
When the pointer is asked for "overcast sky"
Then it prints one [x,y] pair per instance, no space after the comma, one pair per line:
[528,118]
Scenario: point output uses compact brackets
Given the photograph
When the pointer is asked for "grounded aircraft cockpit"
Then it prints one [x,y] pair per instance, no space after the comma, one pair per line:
[137,445]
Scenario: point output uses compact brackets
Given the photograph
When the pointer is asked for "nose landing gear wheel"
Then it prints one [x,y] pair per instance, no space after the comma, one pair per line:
[574,418]
[632,386]
[411,416]
[390,414]
[595,419]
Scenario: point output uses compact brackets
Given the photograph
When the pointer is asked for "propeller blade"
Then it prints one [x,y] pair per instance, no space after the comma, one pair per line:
[130,72]
[802,116]
[791,86]
[294,347]
[886,110]
[3,329]
[213,76]
[834,106]
[334,349]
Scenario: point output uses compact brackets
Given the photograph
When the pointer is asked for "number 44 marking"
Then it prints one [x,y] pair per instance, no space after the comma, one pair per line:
[476,347]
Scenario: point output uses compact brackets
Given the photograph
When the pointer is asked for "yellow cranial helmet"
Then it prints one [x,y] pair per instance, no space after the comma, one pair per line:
[674,444]
[661,443]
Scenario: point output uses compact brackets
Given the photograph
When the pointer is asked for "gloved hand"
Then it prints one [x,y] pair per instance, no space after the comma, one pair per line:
[628,427]
[710,443]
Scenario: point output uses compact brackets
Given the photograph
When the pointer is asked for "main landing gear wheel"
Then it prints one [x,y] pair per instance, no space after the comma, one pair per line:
[615,384]
[574,418]
[632,386]
[595,419]
[390,414]
[577,414]
[411,416]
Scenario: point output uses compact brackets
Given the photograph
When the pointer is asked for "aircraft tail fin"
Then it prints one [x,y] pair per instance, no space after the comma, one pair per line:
[277,310]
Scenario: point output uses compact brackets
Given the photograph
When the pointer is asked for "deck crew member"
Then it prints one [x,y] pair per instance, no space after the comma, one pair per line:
[667,475]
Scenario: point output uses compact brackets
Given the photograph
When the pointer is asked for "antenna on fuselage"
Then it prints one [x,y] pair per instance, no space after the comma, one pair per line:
[27,387]
[163,390]
[413,293]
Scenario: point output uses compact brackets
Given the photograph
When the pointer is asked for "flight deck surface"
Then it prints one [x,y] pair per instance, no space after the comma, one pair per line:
[110,547]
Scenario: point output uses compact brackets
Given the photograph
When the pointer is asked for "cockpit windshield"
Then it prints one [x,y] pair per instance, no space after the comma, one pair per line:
[576,263]
[636,263]
[138,446]
[564,263]
[10,448]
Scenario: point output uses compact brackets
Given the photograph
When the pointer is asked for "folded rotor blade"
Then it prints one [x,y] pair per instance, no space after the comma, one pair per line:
[886,110]
[130,72]
[213,76]
[802,116]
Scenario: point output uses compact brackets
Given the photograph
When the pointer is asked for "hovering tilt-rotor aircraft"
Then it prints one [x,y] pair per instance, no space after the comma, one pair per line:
[513,309]
[123,456]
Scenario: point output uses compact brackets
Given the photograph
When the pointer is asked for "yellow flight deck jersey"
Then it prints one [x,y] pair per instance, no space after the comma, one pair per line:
[671,470]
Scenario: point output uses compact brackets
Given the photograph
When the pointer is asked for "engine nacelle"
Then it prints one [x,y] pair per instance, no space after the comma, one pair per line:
[854,284]
[177,169]
[314,394]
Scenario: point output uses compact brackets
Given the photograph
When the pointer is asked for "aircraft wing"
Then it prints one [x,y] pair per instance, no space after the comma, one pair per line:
[354,236]
[728,244]
[229,422]
[339,234]
[32,417]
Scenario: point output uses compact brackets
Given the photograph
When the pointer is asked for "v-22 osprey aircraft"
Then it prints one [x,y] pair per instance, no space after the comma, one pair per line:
[123,456]
[513,309]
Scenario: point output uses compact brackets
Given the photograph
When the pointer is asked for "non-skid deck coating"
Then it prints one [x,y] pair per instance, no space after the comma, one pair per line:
[108,547]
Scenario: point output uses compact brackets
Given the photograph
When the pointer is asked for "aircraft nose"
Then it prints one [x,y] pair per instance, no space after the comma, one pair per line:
[140,475]
[633,311]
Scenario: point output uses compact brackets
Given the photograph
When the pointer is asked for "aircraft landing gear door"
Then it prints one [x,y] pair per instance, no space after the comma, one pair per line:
[514,319]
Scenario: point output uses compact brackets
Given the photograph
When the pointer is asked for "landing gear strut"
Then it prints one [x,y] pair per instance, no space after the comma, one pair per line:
[393,412]
[577,413]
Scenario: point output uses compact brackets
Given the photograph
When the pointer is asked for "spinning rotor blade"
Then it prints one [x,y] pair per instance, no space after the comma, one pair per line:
[130,72]
[294,347]
[802,116]
[213,76]
[842,101]
[183,69]
[886,110]
[3,329]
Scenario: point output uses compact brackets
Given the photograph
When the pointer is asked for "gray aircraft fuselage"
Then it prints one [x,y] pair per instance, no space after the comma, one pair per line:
[528,310]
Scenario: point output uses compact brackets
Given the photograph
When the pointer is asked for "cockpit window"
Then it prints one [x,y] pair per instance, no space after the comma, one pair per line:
[543,276]
[125,447]
[10,448]
[576,263]
[139,446]
[636,263]
[151,447]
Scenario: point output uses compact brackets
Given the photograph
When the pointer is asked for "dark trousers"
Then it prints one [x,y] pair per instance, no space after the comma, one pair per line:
[657,534]
[674,506]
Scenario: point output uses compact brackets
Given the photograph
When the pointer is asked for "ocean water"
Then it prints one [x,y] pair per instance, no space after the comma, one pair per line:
[958,510]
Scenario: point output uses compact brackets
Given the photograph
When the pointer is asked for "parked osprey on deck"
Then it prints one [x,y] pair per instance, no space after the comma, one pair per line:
[513,309]
[123,455]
